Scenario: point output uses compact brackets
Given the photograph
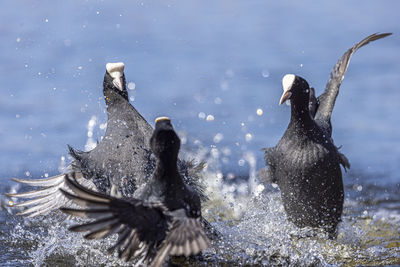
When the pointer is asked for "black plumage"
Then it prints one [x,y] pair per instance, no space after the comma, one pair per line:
[120,162]
[305,163]
[164,217]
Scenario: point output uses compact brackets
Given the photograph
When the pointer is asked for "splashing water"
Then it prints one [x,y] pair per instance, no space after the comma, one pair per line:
[248,215]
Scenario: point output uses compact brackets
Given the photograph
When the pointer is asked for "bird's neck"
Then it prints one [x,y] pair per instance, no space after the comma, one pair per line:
[300,114]
[114,99]
[167,170]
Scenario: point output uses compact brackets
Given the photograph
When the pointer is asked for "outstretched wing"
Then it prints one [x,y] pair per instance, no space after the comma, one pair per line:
[48,197]
[327,99]
[148,230]
[140,226]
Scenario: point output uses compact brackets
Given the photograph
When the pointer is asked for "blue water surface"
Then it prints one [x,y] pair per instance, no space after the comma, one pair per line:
[193,60]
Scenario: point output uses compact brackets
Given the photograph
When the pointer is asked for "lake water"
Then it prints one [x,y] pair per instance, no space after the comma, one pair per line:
[214,67]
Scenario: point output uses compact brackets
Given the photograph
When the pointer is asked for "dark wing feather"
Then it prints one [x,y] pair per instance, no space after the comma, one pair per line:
[191,173]
[185,237]
[139,225]
[327,99]
[267,174]
[47,198]
[313,103]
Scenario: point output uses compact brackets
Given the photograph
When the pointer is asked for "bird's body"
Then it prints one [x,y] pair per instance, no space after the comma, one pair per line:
[306,163]
[164,217]
[306,166]
[120,162]
[123,154]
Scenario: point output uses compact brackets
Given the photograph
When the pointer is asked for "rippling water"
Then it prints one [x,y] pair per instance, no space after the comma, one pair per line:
[215,68]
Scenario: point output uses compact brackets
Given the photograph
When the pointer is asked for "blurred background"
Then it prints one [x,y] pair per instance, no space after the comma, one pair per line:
[214,67]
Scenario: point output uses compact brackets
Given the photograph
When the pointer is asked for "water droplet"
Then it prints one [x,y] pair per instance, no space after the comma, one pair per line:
[265,73]
[230,175]
[218,137]
[214,152]
[131,86]
[224,85]
[210,118]
[217,100]
[80,68]
[241,162]
[202,115]
[248,137]
[18,40]
[102,126]
[259,112]
[229,73]
[226,151]
[27,173]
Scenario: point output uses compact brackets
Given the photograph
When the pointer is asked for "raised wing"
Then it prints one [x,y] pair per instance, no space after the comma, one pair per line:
[326,100]
[143,228]
[48,197]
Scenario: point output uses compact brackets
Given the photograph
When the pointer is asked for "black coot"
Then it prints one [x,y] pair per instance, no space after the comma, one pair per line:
[164,217]
[306,163]
[120,163]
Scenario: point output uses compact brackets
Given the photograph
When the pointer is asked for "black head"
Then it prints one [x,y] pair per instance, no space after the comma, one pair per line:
[164,142]
[296,89]
[114,80]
